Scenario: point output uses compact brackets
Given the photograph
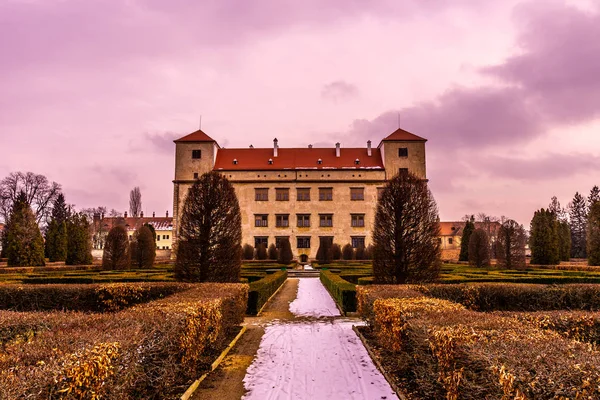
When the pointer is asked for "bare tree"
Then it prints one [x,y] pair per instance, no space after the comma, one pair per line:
[40,194]
[135,202]
[510,245]
[210,233]
[405,236]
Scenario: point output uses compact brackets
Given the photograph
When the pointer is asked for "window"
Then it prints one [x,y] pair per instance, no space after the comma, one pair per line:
[402,170]
[261,220]
[258,240]
[303,242]
[157,238]
[402,152]
[358,242]
[303,194]
[357,193]
[303,220]
[325,219]
[358,220]
[325,194]
[282,220]
[279,240]
[261,194]
[195,175]
[282,194]
[449,240]
[379,192]
[196,154]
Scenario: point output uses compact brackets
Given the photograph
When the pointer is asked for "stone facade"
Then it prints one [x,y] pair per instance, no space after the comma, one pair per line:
[270,184]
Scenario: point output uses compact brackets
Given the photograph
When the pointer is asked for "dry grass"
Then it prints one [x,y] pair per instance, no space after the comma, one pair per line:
[147,351]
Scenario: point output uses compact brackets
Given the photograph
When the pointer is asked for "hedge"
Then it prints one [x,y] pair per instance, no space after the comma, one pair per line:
[343,292]
[97,297]
[149,351]
[261,290]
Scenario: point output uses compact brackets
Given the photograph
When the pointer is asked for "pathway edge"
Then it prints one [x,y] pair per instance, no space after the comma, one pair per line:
[270,298]
[387,377]
[188,393]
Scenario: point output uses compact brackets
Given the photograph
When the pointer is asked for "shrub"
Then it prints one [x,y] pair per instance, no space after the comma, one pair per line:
[56,241]
[24,242]
[348,252]
[79,241]
[261,290]
[342,291]
[479,249]
[369,252]
[261,252]
[143,248]
[248,252]
[285,252]
[116,249]
[210,232]
[360,253]
[366,296]
[466,237]
[543,241]
[406,231]
[593,235]
[272,252]
[325,252]
[336,252]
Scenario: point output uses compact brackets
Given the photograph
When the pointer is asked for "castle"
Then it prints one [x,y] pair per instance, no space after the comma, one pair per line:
[304,194]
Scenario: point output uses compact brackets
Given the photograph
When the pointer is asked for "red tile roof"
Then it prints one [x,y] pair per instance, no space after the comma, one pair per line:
[296,159]
[403,136]
[134,223]
[197,136]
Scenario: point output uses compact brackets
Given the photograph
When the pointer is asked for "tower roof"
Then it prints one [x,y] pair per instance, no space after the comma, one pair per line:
[400,135]
[198,136]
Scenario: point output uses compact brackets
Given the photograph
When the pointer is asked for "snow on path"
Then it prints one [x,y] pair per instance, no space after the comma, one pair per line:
[314,360]
[313,300]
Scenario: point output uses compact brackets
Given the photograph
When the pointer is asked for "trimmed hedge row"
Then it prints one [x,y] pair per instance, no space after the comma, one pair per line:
[261,290]
[343,292]
[517,297]
[95,298]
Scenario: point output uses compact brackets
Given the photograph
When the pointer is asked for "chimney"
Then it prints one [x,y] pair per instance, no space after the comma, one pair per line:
[153,214]
[141,214]
[102,216]
[125,214]
[275,147]
[337,149]
[310,146]
[369,152]
[167,213]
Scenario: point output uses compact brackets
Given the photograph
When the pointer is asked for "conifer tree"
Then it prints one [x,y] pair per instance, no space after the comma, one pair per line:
[406,231]
[79,241]
[261,252]
[348,252]
[544,240]
[466,236]
[479,249]
[24,242]
[594,197]
[360,253]
[116,249]
[564,240]
[143,248]
[578,224]
[248,252]
[593,235]
[336,252]
[325,251]
[56,233]
[210,232]
[285,252]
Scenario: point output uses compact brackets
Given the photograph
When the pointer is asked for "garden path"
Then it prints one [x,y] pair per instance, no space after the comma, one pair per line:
[307,351]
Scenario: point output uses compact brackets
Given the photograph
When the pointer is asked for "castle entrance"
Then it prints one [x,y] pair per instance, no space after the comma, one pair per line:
[303,258]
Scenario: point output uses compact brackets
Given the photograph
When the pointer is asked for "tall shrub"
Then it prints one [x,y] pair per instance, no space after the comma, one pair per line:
[79,242]
[248,252]
[336,252]
[593,235]
[325,251]
[210,232]
[348,252]
[466,236]
[56,241]
[261,252]
[24,242]
[360,253]
[143,248]
[479,248]
[272,252]
[285,252]
[578,224]
[406,231]
[543,241]
[116,249]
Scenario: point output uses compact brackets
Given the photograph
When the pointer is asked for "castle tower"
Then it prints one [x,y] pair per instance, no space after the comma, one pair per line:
[195,155]
[403,150]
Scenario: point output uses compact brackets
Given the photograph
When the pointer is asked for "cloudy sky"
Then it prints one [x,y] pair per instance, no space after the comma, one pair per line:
[508,92]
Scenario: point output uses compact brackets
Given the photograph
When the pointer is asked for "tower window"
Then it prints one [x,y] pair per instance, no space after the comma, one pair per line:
[325,194]
[261,194]
[357,193]
[196,154]
[282,194]
[303,194]
[403,152]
